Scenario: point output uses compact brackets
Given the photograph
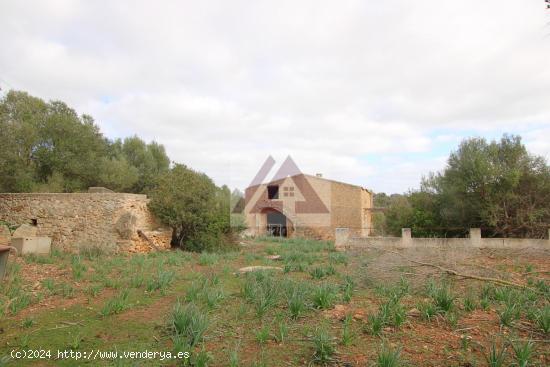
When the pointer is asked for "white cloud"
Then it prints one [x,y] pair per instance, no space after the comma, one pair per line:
[224,84]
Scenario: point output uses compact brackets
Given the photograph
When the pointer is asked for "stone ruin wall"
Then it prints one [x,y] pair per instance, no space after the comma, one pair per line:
[73,220]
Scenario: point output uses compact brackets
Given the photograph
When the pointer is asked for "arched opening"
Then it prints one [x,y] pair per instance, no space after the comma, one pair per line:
[277,224]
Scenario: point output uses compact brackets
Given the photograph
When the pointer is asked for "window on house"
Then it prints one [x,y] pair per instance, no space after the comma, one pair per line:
[273,192]
[34,222]
[288,191]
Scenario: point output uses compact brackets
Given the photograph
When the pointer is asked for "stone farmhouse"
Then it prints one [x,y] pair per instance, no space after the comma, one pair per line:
[307,206]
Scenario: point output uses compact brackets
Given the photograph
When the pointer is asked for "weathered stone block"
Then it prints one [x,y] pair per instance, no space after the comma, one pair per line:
[32,245]
[25,230]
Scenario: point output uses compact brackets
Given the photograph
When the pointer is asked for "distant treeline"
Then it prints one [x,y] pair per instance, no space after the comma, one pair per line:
[496,186]
[48,147]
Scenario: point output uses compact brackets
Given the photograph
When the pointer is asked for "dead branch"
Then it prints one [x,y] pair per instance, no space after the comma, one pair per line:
[536,272]
[468,276]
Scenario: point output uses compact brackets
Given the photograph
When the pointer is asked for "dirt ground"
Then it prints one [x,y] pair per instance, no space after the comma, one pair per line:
[64,302]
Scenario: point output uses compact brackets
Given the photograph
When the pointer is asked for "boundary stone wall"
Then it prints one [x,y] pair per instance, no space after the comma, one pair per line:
[344,239]
[80,219]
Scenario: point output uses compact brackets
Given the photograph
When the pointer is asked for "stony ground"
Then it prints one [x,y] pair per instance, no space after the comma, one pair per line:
[374,307]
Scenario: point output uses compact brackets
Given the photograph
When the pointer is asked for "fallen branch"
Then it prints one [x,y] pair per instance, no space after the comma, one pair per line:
[468,276]
[536,272]
[151,243]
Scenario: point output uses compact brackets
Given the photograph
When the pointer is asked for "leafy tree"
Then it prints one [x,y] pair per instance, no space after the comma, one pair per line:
[150,160]
[47,146]
[20,118]
[496,186]
[196,210]
[117,174]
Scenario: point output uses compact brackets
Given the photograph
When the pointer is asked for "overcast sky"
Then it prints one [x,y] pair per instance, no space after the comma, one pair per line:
[375,93]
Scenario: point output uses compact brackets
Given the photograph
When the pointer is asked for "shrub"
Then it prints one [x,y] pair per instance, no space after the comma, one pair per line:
[137,280]
[542,318]
[495,357]
[388,357]
[116,304]
[261,289]
[469,304]
[323,346]
[523,353]
[347,288]
[161,281]
[77,267]
[94,290]
[375,324]
[213,297]
[347,333]
[207,258]
[297,304]
[262,335]
[197,211]
[189,322]
[509,314]
[234,358]
[397,315]
[441,296]
[48,284]
[324,295]
[484,303]
[282,332]
[202,358]
[23,300]
[320,272]
[92,251]
[27,322]
[338,258]
[427,310]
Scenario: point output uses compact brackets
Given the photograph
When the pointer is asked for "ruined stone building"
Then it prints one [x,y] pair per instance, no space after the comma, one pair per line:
[96,218]
[308,206]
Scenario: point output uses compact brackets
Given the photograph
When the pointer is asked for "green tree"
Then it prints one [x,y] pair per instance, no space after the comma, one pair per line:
[150,160]
[196,210]
[497,186]
[117,174]
[47,146]
[20,118]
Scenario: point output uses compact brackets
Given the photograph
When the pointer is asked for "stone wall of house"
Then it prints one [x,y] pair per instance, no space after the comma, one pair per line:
[81,219]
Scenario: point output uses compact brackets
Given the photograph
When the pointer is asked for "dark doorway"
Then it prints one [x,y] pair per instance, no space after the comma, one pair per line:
[276,224]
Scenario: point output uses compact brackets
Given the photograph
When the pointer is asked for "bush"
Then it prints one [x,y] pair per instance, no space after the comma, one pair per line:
[195,208]
[189,322]
[495,357]
[442,296]
[542,318]
[388,357]
[262,290]
[324,296]
[323,346]
[297,303]
[116,304]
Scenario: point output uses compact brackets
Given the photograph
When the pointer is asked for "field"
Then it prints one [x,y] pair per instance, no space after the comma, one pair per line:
[370,308]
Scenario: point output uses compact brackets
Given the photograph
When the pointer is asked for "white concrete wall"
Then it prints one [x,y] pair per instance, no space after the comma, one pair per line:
[346,241]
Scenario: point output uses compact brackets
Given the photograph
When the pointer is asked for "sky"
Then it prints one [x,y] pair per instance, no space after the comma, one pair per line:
[375,93]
